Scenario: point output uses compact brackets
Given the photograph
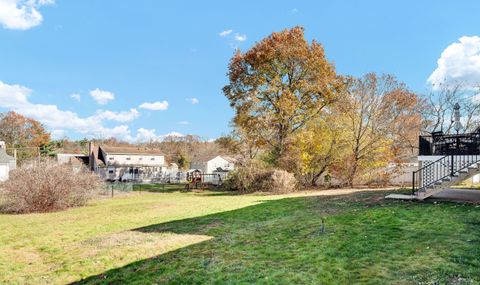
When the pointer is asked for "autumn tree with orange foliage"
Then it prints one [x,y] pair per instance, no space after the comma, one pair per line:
[381,121]
[277,86]
[23,133]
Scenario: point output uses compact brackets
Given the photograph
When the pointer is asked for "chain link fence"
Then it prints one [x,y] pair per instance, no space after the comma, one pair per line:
[112,188]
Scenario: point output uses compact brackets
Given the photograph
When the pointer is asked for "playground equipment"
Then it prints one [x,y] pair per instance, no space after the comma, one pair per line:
[196,179]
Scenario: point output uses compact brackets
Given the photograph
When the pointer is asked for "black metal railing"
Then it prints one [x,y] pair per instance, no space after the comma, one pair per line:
[441,169]
[445,144]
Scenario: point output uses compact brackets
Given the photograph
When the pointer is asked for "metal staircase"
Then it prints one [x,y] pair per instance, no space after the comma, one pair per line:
[445,172]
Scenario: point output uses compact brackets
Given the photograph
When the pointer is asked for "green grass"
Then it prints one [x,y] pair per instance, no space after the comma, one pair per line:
[217,238]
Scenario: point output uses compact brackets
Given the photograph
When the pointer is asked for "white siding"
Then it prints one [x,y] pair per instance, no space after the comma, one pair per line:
[134,159]
[218,162]
[210,166]
[4,169]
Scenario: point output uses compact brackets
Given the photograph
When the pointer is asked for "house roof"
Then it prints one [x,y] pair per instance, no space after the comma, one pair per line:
[210,157]
[4,157]
[130,150]
[229,158]
[69,155]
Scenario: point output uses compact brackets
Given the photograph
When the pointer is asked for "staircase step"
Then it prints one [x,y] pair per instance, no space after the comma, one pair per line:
[435,170]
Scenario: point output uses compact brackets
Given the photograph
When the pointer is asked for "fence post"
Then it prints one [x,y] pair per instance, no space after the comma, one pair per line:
[112,191]
[451,165]
[413,183]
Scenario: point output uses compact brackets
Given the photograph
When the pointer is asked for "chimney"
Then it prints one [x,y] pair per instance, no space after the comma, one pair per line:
[91,156]
[90,147]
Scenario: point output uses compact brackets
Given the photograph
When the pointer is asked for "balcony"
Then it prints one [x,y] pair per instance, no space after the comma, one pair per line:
[439,143]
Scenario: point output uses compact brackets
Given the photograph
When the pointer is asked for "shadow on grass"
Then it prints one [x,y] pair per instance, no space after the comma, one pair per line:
[159,188]
[358,238]
[172,188]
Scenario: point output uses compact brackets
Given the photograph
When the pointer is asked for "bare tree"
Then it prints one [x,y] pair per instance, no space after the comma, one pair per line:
[382,120]
[438,112]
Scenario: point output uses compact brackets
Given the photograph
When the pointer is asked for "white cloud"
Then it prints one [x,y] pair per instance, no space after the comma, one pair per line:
[294,10]
[184,123]
[149,135]
[193,101]
[21,14]
[225,33]
[240,38]
[144,135]
[173,134]
[458,63]
[76,97]
[58,134]
[60,122]
[102,97]
[125,116]
[13,95]
[155,106]
[15,98]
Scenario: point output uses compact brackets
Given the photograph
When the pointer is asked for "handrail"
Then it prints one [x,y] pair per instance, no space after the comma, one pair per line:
[421,170]
[442,168]
[430,163]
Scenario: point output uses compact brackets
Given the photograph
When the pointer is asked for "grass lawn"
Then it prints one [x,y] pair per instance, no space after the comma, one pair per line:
[216,238]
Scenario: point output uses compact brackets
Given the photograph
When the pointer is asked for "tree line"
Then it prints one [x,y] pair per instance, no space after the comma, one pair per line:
[294,112]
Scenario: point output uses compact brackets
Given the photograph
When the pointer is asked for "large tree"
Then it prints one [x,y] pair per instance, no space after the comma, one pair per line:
[277,86]
[382,122]
[321,144]
[23,133]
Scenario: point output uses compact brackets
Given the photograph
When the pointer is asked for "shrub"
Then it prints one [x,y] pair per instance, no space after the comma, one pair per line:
[277,181]
[253,177]
[243,178]
[47,186]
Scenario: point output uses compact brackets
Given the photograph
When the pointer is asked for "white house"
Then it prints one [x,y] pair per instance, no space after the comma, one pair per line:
[126,163]
[7,162]
[216,164]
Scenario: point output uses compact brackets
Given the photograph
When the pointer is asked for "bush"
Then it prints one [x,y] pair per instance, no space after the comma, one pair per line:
[243,178]
[47,186]
[253,177]
[277,181]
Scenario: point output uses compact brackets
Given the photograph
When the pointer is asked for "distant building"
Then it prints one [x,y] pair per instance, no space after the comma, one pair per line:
[127,163]
[221,164]
[77,161]
[7,162]
[121,163]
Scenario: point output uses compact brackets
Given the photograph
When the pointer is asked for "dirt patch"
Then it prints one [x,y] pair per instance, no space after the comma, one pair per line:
[144,243]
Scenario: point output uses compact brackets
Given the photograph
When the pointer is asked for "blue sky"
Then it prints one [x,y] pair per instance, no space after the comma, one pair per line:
[115,56]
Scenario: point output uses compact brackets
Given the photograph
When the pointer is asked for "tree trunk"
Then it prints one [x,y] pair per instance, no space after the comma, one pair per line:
[352,173]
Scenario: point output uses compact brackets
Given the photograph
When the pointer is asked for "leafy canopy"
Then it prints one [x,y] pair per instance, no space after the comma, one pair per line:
[278,85]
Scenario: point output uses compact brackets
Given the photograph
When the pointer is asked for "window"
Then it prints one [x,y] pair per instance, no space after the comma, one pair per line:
[111,158]
[141,158]
[128,158]
[153,158]
[110,171]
